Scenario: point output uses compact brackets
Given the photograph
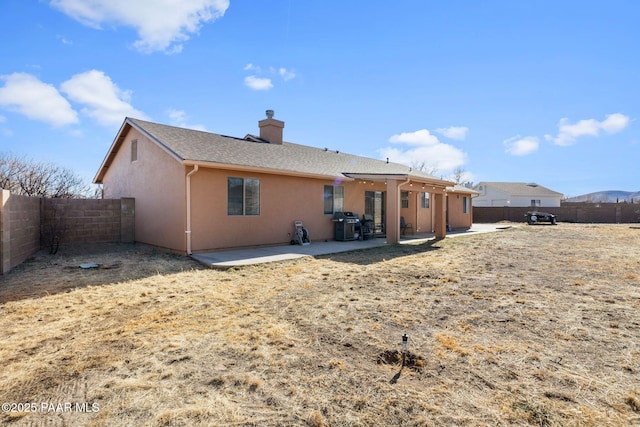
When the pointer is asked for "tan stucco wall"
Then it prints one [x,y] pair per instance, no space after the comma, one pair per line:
[458,219]
[283,199]
[420,218]
[156,181]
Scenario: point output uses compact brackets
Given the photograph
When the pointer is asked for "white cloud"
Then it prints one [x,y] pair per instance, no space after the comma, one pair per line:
[179,118]
[162,25]
[519,146]
[454,132]
[426,148]
[64,40]
[419,137]
[568,133]
[258,83]
[286,74]
[614,123]
[26,94]
[104,101]
[4,131]
[251,67]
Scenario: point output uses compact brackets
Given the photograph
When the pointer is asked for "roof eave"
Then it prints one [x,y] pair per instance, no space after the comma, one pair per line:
[461,190]
[398,176]
[257,169]
[113,149]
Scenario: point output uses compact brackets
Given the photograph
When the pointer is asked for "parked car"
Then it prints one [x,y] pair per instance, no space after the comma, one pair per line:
[534,217]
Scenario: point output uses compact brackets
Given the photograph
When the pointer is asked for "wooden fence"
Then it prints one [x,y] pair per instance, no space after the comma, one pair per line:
[611,213]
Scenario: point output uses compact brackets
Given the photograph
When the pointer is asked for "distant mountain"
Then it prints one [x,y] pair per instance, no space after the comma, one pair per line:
[607,197]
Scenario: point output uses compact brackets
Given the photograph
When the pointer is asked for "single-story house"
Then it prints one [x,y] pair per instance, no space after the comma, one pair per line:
[198,191]
[515,194]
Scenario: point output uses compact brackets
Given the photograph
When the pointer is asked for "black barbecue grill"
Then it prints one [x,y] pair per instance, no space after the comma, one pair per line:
[347,223]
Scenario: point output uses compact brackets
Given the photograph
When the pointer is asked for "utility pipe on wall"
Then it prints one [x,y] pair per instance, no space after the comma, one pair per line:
[188,230]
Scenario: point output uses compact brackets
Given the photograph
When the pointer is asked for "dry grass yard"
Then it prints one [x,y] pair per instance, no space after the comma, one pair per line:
[534,325]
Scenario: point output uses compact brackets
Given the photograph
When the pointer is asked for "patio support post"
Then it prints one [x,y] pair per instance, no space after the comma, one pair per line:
[392,228]
[392,213]
[440,207]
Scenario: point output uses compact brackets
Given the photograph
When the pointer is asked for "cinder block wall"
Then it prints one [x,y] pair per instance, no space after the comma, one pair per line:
[70,221]
[78,221]
[30,223]
[19,229]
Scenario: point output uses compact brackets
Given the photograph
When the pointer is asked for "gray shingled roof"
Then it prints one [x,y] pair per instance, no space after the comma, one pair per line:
[521,188]
[459,188]
[198,146]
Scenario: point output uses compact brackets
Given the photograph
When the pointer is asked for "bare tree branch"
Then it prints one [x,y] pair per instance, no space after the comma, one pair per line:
[30,178]
[460,177]
[430,169]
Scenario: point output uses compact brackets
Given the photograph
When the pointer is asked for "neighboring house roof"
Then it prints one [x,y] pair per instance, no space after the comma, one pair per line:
[521,188]
[193,146]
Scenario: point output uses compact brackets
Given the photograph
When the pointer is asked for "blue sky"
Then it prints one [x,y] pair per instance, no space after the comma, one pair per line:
[543,91]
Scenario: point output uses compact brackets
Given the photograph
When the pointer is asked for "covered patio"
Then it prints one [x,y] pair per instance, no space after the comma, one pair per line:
[395,184]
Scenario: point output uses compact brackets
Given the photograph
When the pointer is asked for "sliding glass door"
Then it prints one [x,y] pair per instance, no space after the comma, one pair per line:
[374,207]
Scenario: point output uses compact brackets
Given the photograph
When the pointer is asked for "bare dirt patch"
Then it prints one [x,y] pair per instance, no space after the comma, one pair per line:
[527,326]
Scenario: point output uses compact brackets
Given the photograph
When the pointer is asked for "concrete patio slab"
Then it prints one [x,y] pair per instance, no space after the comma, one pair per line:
[260,255]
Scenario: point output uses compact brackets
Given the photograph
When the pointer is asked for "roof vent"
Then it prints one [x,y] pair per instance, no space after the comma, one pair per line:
[269,114]
[532,184]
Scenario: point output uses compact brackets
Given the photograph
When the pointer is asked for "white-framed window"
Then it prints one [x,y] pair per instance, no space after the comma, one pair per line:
[243,196]
[333,199]
[134,150]
[465,205]
[404,199]
[424,200]
[535,202]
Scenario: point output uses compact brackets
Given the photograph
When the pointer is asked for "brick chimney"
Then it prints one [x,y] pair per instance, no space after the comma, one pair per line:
[271,129]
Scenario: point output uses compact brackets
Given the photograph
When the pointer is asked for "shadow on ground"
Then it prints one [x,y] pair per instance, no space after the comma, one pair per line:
[46,274]
[80,266]
[382,253]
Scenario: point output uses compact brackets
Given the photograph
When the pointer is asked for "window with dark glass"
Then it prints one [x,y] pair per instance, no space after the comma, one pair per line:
[243,196]
[424,200]
[333,199]
[404,199]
